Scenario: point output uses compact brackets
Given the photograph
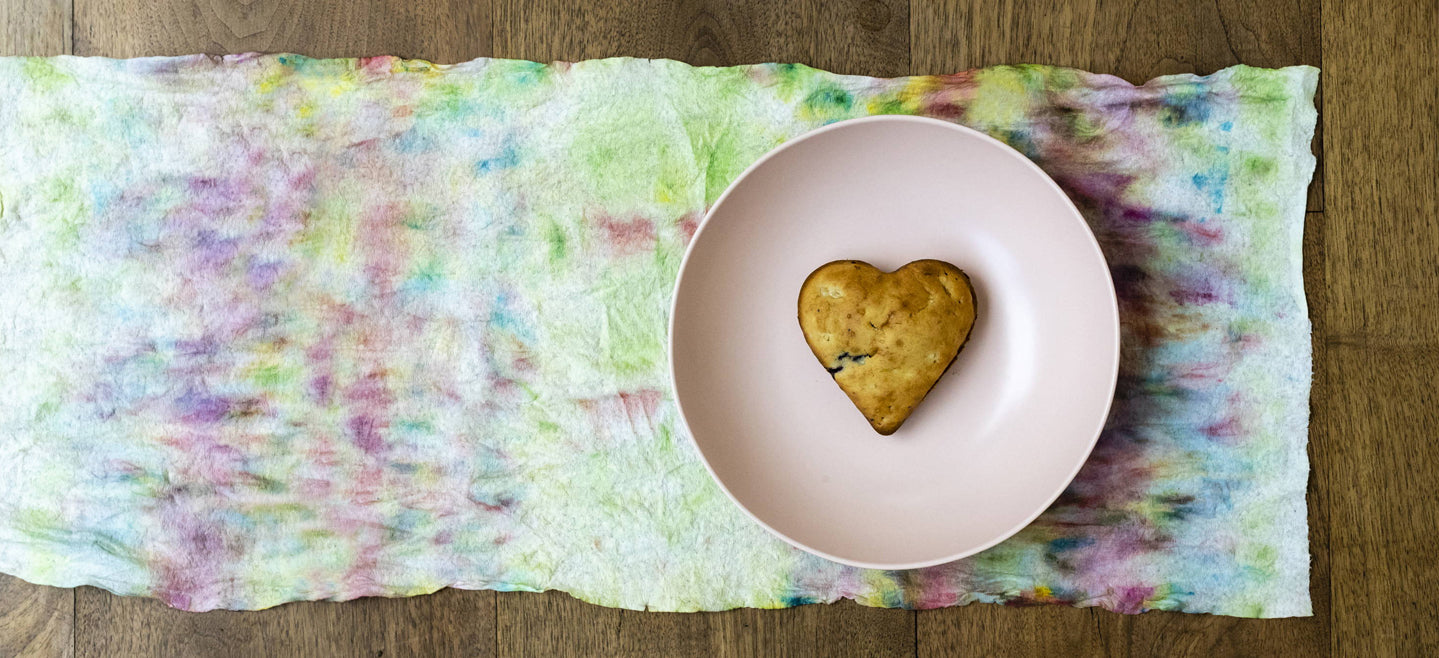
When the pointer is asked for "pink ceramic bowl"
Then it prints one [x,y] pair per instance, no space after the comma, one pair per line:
[1000,435]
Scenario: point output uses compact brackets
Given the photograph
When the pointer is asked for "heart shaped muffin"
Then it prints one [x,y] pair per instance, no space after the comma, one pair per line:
[886,338]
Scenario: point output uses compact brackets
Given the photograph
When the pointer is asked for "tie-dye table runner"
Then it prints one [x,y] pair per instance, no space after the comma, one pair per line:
[277,328]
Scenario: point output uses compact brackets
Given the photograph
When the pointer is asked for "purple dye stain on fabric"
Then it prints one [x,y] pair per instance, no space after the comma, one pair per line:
[320,388]
[1201,285]
[213,252]
[1131,599]
[262,275]
[365,434]
[1127,280]
[1226,429]
[370,390]
[200,408]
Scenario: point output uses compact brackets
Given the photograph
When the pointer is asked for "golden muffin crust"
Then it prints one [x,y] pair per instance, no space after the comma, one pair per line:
[886,338]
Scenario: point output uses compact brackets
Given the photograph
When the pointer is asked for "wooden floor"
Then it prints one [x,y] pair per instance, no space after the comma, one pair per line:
[1371,271]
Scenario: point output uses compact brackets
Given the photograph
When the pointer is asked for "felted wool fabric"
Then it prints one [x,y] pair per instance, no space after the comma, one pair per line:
[276,328]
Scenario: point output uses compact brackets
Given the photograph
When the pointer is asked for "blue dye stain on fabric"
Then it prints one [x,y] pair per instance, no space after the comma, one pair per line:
[1019,140]
[534,73]
[1214,183]
[503,317]
[829,104]
[414,140]
[1069,543]
[507,159]
[1184,108]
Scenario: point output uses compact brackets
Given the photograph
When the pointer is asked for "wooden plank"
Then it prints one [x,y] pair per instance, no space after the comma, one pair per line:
[863,37]
[1134,40]
[554,624]
[701,33]
[1382,322]
[1382,473]
[447,623]
[840,629]
[35,620]
[444,31]
[860,37]
[34,27]
[991,630]
[1316,638]
[1382,93]
[1180,635]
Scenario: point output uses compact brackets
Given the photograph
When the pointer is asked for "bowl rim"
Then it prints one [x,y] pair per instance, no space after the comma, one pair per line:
[1113,308]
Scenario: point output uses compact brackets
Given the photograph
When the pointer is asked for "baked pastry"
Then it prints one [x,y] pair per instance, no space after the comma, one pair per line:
[886,338]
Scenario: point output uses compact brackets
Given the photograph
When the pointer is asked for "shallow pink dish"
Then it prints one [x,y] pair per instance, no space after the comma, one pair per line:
[1000,435]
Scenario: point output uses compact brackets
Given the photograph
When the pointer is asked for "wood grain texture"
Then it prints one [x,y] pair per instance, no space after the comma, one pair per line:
[35,620]
[447,623]
[868,37]
[444,31]
[840,629]
[35,27]
[1134,40]
[554,624]
[1382,471]
[1006,632]
[1378,421]
[1179,635]
[1382,88]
